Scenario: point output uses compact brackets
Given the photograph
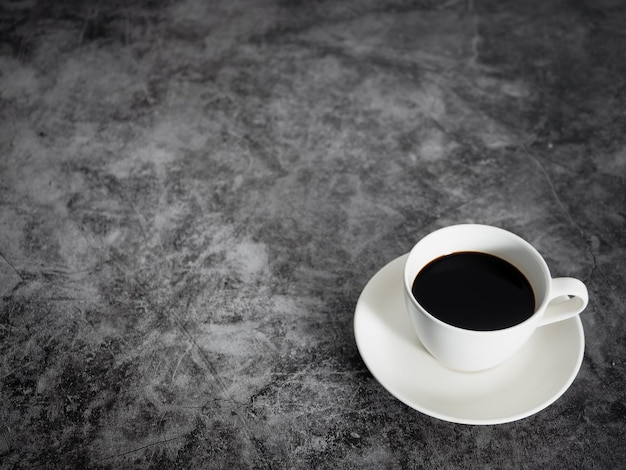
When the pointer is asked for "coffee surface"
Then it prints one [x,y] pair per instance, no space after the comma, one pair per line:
[474,291]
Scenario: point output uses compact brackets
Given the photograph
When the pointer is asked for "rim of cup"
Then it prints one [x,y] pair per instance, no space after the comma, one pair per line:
[540,263]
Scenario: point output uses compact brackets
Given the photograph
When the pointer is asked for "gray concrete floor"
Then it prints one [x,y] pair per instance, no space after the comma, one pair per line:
[194,194]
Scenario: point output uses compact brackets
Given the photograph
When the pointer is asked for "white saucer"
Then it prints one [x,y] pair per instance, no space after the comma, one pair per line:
[528,382]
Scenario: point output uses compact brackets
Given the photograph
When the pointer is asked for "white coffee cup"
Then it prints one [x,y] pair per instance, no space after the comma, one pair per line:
[556,299]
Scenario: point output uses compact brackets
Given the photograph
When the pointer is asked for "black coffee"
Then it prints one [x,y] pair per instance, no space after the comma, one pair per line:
[475,291]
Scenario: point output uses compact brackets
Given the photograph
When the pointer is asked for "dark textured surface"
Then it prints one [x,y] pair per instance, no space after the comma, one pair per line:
[193,195]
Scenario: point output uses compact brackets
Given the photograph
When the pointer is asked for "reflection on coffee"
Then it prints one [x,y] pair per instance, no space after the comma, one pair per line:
[475,291]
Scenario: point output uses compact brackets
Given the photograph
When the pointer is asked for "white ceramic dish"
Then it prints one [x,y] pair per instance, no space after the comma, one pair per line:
[531,380]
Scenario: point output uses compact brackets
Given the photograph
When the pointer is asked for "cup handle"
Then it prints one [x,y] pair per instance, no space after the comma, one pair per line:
[568,297]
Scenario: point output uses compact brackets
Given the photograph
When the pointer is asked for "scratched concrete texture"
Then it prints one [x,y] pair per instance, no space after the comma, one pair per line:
[193,195]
